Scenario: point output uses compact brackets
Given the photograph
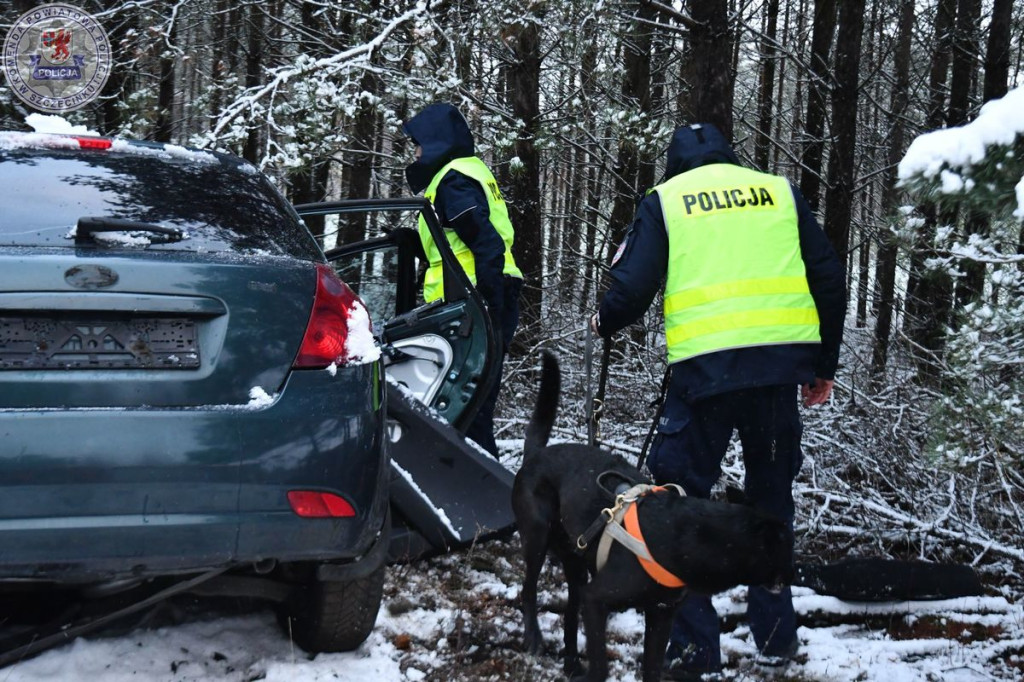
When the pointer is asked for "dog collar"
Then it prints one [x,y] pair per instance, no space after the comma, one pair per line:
[623,526]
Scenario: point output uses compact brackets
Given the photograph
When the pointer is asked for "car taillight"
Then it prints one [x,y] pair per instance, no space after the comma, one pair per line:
[327,330]
[312,504]
[93,142]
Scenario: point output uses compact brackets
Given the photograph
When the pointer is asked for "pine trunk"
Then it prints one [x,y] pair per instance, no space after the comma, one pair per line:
[636,92]
[253,72]
[839,197]
[887,251]
[820,78]
[711,54]
[524,192]
[965,52]
[936,290]
[942,40]
[163,129]
[762,144]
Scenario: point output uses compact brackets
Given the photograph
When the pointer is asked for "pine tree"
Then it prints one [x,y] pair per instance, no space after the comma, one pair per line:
[979,167]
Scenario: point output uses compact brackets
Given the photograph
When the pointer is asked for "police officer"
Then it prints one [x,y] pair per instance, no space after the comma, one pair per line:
[470,207]
[754,301]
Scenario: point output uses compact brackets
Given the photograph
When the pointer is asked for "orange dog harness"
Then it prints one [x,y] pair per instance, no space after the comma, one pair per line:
[623,526]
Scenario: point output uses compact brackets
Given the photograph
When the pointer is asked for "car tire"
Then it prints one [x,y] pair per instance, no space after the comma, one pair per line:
[335,616]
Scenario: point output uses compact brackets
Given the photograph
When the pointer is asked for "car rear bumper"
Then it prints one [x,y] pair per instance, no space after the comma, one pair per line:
[90,494]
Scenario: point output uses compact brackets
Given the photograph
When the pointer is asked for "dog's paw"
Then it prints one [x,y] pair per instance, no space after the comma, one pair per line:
[587,676]
[533,643]
[573,668]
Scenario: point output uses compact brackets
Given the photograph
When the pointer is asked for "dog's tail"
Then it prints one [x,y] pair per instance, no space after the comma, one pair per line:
[539,429]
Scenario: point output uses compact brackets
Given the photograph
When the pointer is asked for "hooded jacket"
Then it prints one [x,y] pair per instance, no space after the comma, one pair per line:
[640,266]
[443,135]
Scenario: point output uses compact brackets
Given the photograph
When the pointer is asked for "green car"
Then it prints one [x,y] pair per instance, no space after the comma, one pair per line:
[189,393]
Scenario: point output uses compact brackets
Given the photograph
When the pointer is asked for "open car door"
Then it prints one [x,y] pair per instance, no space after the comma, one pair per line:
[440,361]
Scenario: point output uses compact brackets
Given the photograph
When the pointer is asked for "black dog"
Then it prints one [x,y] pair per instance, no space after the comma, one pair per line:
[710,546]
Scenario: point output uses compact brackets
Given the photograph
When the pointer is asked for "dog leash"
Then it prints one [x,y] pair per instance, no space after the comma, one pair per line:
[595,403]
[660,403]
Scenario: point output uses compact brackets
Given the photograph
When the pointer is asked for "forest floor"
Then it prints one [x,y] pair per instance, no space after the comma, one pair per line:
[456,617]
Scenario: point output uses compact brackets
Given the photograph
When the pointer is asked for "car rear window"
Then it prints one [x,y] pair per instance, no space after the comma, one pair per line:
[221,205]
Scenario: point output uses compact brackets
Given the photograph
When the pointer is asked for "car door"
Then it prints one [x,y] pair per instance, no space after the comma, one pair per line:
[441,361]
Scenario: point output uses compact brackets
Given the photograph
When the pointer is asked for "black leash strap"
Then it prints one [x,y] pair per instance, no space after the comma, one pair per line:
[595,401]
[595,529]
[602,382]
[660,403]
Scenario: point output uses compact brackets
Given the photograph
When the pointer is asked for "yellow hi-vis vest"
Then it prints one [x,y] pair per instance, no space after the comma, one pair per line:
[475,169]
[735,275]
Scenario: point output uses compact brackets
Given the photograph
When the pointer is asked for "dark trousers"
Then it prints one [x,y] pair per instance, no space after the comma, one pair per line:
[481,430]
[691,443]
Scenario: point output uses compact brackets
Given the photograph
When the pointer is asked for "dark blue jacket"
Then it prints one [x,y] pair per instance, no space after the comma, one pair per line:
[639,269]
[443,134]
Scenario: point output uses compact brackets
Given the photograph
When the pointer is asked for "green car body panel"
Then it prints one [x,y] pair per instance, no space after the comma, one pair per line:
[127,458]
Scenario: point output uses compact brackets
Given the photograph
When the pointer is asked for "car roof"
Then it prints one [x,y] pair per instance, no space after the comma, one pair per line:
[11,140]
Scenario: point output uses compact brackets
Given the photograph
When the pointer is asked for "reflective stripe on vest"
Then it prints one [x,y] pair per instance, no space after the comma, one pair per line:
[735,274]
[475,169]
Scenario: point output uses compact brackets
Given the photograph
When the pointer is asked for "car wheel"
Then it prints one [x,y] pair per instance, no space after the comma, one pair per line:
[335,616]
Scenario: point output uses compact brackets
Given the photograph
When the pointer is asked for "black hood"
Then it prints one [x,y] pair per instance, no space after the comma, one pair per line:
[443,133]
[697,145]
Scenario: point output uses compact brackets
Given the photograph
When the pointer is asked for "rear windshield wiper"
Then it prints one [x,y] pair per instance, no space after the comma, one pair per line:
[88,226]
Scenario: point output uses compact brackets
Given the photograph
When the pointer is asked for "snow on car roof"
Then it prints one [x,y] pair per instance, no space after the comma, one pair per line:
[55,132]
[51,123]
[10,140]
[170,151]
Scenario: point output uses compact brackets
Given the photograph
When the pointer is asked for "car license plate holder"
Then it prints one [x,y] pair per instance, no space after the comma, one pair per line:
[69,343]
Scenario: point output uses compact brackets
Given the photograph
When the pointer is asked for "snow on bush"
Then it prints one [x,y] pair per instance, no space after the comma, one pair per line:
[979,167]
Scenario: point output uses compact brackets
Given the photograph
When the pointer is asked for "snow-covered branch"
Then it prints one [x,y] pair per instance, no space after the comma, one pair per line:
[352,58]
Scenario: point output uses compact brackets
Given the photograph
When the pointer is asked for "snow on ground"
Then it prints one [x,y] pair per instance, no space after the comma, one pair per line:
[456,618]
[430,628]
